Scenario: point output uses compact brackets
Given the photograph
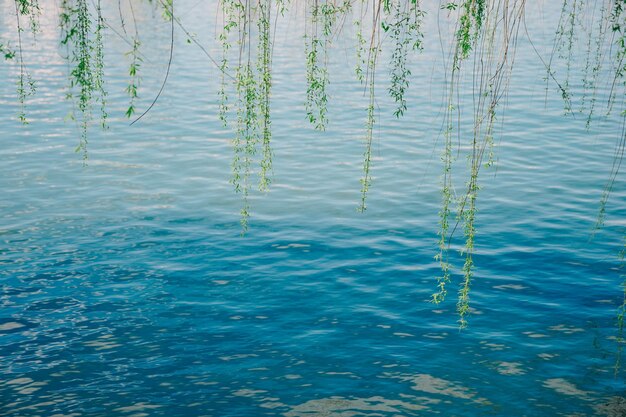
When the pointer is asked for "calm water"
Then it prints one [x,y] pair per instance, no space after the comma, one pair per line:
[126,289]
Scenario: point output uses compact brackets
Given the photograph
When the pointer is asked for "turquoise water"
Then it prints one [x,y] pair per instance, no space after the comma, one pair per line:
[127,290]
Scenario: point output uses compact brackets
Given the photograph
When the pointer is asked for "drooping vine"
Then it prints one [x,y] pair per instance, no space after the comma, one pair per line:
[252,86]
[405,32]
[232,18]
[594,62]
[324,17]
[76,27]
[370,81]
[366,180]
[132,89]
[98,71]
[618,29]
[489,36]
[466,34]
[246,136]
[30,9]
[167,11]
[564,45]
[253,82]
[359,68]
[264,62]
[447,190]
[25,83]
[606,40]
[444,212]
[316,74]
[134,55]
[246,130]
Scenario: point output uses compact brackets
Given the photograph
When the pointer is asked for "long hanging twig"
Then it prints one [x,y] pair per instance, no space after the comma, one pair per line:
[169,63]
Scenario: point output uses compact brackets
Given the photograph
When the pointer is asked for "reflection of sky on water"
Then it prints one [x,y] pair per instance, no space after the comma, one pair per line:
[127,290]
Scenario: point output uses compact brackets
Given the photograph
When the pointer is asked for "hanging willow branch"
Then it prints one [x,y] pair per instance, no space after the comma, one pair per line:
[76,27]
[168,14]
[490,34]
[25,83]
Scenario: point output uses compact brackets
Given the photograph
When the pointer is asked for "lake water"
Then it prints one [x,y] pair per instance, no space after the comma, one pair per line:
[127,290]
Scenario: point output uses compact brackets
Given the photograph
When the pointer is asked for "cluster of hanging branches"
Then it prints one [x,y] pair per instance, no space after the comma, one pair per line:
[482,46]
[488,31]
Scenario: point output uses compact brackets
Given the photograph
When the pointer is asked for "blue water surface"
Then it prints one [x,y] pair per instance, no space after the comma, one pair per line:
[127,289]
